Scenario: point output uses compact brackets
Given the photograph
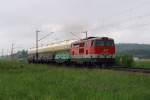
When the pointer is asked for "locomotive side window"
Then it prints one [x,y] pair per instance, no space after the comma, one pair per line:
[81,51]
[81,44]
[72,52]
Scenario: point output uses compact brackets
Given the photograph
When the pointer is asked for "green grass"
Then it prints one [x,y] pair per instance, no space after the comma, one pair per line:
[20,81]
[142,63]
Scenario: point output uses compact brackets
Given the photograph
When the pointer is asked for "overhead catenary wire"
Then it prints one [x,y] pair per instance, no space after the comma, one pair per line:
[129,19]
[75,35]
[128,10]
[45,36]
[126,20]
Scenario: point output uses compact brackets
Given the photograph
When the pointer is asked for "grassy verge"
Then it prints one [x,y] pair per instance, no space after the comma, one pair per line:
[21,81]
[142,63]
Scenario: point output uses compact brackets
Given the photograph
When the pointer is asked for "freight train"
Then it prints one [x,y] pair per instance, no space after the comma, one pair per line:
[91,50]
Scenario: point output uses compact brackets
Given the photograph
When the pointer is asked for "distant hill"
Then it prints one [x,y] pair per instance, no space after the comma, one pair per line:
[137,50]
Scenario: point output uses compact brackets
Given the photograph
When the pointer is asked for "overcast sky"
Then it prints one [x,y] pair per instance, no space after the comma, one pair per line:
[127,21]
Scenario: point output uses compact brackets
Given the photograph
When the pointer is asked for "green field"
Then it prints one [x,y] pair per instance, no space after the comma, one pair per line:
[20,81]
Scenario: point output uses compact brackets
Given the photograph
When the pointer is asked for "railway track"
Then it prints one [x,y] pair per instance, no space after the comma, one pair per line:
[116,68]
[140,70]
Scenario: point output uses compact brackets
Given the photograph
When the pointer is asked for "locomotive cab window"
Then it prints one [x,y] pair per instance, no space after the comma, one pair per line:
[109,43]
[104,43]
[99,43]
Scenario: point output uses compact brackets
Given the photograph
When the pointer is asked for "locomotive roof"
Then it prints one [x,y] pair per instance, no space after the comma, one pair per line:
[93,38]
[88,38]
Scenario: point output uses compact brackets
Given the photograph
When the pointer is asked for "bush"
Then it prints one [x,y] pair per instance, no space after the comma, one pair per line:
[125,60]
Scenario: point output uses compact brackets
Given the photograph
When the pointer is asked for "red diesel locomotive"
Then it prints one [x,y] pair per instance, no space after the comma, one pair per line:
[93,50]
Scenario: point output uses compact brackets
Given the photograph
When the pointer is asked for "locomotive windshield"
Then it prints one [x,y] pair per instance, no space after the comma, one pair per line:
[104,43]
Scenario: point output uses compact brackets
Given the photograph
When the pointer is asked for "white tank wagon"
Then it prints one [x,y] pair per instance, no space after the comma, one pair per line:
[51,51]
